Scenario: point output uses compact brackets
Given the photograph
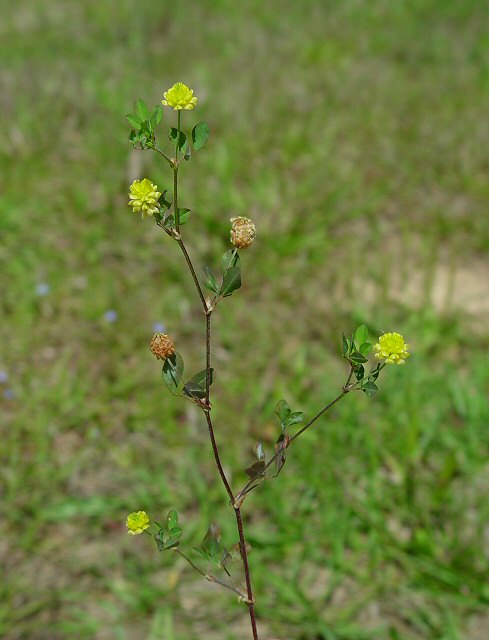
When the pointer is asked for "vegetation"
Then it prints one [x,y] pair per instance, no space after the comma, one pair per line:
[354,135]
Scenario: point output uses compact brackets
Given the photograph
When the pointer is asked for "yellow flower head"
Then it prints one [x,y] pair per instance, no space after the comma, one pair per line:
[162,346]
[392,348]
[179,97]
[143,196]
[243,232]
[137,522]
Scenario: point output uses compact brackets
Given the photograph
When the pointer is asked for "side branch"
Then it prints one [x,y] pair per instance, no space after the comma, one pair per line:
[240,496]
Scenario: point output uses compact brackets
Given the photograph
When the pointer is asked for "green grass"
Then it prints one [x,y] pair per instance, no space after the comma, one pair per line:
[354,134]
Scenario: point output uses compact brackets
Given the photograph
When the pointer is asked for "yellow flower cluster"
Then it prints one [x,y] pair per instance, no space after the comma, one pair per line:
[179,97]
[137,522]
[392,348]
[243,232]
[162,346]
[143,196]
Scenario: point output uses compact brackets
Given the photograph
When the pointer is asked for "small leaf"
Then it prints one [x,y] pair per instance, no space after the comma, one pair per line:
[370,389]
[156,115]
[172,371]
[210,280]
[360,372]
[231,281]
[134,121]
[166,199]
[172,519]
[255,470]
[201,377]
[365,348]
[193,389]
[171,543]
[176,533]
[282,409]
[358,358]
[200,135]
[187,154]
[230,259]
[345,344]
[177,137]
[294,418]
[211,542]
[361,334]
[142,110]
[226,558]
[183,215]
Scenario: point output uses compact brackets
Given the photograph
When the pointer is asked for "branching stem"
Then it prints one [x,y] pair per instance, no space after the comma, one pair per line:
[248,599]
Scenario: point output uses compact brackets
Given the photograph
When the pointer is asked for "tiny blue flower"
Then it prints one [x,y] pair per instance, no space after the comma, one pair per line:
[8,394]
[3,377]
[111,315]
[43,289]
[159,327]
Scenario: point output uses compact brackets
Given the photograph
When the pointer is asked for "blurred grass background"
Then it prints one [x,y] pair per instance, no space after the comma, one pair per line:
[356,135]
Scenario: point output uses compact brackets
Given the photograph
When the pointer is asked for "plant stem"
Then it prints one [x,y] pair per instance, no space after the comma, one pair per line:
[244,557]
[209,577]
[175,177]
[249,485]
[162,153]
[249,599]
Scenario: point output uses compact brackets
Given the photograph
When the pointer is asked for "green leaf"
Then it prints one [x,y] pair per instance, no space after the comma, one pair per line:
[360,372]
[166,199]
[345,344]
[187,154]
[134,121]
[370,389]
[230,259]
[282,409]
[358,358]
[365,348]
[255,470]
[231,281]
[200,135]
[193,389]
[171,543]
[294,418]
[177,137]
[183,215]
[172,519]
[172,371]
[361,334]
[211,542]
[201,377]
[175,532]
[156,115]
[210,280]
[142,110]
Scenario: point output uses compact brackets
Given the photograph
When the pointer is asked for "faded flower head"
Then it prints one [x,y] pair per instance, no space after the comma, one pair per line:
[179,97]
[392,348]
[143,196]
[243,232]
[137,522]
[162,346]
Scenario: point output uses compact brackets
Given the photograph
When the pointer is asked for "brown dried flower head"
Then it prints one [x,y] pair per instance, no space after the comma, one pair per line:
[162,346]
[243,232]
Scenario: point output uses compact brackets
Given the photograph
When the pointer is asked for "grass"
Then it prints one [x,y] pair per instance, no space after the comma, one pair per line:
[355,135]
